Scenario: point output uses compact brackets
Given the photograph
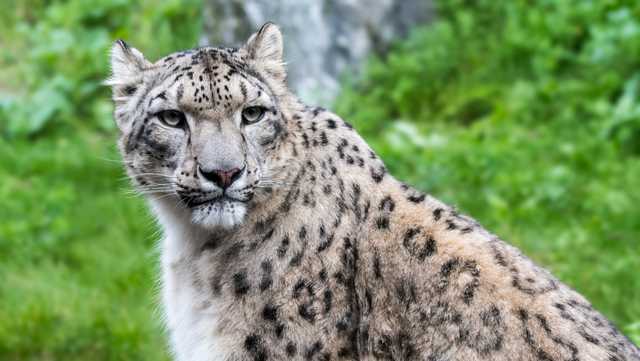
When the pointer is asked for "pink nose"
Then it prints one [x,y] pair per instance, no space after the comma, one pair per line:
[222,178]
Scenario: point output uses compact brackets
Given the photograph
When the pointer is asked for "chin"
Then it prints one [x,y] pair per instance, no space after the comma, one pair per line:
[225,214]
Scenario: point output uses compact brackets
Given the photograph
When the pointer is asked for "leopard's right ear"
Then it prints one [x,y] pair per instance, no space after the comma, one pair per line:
[127,67]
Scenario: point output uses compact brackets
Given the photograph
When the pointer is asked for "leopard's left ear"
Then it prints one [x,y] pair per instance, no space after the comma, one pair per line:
[265,51]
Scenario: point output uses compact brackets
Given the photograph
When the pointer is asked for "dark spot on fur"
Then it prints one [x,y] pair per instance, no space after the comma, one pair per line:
[240,283]
[291,349]
[266,280]
[284,246]
[327,298]
[270,312]
[437,214]
[254,345]
[130,89]
[416,198]
[382,223]
[307,312]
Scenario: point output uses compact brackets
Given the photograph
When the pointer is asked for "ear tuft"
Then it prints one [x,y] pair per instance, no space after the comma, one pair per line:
[127,65]
[265,49]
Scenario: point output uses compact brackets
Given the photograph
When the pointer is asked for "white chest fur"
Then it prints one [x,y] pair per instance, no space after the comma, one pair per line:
[191,318]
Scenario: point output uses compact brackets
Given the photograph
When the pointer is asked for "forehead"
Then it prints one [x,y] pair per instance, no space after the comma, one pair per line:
[234,57]
[207,79]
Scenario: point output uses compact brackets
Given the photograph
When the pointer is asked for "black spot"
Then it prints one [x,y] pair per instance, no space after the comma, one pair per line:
[469,291]
[279,330]
[270,312]
[307,312]
[325,242]
[377,268]
[254,345]
[350,159]
[437,214]
[323,139]
[387,204]
[543,323]
[429,248]
[130,89]
[382,223]
[266,280]
[309,200]
[240,283]
[327,298]
[466,230]
[491,317]
[417,198]
[298,287]
[378,174]
[296,260]
[284,246]
[448,267]
[313,350]
[291,349]
[522,314]
[409,234]
[323,274]
[344,322]
[589,338]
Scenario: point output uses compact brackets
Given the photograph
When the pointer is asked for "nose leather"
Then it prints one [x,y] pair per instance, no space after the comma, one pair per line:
[223,178]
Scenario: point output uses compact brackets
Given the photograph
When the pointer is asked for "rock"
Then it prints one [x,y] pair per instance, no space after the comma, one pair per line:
[324,39]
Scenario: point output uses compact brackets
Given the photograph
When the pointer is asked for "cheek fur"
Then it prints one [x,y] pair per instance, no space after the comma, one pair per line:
[268,132]
[160,146]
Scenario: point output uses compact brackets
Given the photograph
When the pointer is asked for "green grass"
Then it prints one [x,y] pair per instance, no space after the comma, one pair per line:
[77,255]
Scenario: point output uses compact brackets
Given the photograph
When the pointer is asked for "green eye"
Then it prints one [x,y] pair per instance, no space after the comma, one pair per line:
[252,115]
[172,118]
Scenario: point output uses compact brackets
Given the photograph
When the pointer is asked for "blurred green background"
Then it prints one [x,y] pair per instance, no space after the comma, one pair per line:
[524,114]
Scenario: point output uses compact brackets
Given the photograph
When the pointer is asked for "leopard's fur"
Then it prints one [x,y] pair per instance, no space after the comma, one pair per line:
[320,254]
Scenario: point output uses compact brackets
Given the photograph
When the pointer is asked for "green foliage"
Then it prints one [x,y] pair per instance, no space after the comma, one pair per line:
[60,53]
[77,254]
[77,267]
[525,115]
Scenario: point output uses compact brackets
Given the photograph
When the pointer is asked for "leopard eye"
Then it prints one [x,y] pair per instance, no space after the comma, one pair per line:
[172,118]
[252,115]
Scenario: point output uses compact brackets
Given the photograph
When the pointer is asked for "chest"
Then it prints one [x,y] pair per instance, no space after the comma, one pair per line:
[192,319]
[282,292]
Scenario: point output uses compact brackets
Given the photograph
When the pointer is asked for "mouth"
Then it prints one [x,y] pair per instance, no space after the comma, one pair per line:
[195,203]
[221,211]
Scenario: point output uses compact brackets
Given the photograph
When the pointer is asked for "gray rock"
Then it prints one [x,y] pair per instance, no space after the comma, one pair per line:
[324,39]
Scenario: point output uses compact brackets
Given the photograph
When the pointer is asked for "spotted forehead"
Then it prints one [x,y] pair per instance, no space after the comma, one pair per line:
[209,78]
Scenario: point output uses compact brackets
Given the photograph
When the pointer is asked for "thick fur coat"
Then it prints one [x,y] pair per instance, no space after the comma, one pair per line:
[286,239]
